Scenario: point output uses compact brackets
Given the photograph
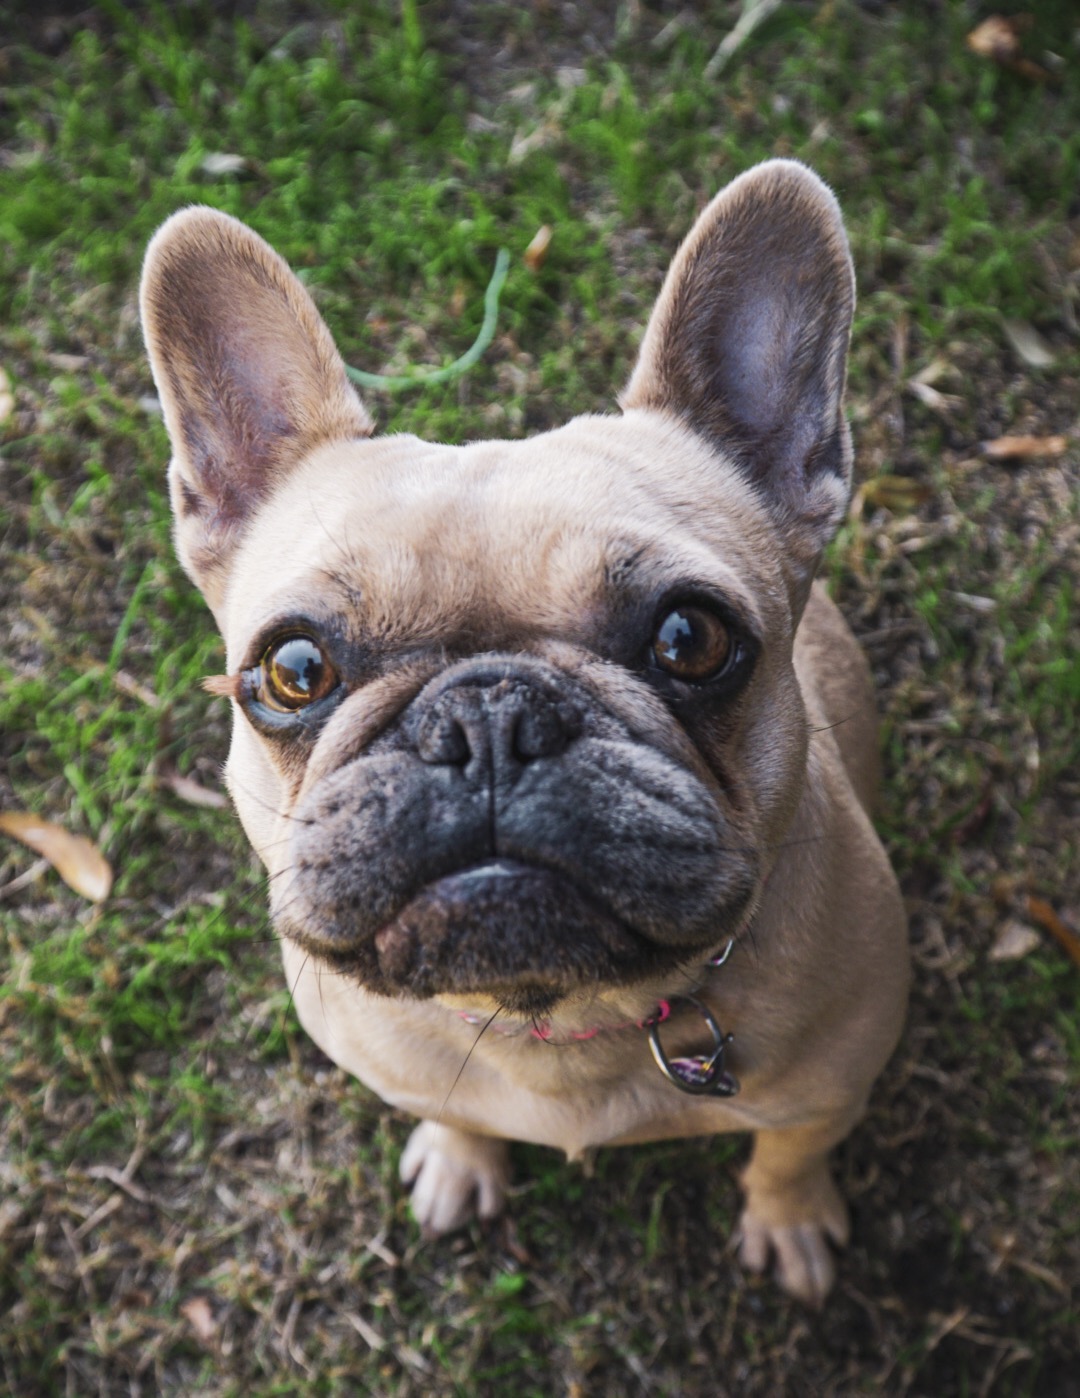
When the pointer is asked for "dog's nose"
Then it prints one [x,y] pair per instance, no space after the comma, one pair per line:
[497,727]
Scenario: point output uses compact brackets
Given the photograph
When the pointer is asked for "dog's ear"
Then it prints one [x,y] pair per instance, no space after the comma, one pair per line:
[248,375]
[748,343]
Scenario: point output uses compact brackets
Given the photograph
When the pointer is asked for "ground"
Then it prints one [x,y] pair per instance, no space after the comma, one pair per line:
[194,1200]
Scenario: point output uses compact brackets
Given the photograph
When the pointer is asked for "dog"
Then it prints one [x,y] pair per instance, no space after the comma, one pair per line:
[558,758]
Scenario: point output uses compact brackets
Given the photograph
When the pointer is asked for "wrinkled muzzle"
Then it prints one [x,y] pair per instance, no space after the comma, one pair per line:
[508,835]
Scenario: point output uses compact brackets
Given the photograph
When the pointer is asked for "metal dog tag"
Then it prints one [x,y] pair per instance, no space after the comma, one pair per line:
[702,1074]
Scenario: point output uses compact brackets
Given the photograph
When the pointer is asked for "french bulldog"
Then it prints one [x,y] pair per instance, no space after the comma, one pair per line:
[557,757]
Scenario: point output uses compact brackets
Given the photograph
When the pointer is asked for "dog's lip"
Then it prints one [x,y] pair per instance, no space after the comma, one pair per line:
[494,871]
[430,946]
[471,881]
[492,868]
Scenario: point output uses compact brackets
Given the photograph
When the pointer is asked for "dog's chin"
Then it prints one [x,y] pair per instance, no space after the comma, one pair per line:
[522,937]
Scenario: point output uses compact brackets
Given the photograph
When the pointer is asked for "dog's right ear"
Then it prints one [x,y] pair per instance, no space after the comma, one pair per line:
[249,379]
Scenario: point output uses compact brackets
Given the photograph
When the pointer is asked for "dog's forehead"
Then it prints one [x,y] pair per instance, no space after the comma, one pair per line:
[530,530]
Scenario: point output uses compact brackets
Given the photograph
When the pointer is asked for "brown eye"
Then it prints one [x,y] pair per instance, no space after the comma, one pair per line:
[692,643]
[294,673]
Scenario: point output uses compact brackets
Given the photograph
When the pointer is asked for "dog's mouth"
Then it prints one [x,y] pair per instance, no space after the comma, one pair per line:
[512,932]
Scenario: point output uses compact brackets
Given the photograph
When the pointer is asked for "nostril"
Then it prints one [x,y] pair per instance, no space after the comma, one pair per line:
[443,741]
[538,732]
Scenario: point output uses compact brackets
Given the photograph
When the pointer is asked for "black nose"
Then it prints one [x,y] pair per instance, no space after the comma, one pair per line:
[493,726]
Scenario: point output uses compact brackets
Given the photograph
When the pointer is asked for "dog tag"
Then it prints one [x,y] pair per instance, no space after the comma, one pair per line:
[700,1074]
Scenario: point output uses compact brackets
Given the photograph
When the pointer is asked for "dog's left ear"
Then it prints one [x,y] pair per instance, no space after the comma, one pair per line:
[748,343]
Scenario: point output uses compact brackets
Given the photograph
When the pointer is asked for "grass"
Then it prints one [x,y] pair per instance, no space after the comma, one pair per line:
[170,1137]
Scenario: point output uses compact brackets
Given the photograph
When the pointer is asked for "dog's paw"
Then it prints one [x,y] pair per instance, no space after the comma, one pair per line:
[805,1266]
[455,1176]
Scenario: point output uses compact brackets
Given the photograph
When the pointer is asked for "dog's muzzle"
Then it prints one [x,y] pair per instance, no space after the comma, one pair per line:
[507,835]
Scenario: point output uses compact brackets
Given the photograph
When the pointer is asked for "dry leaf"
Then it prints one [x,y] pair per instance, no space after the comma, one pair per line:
[1014,941]
[223,163]
[536,253]
[68,363]
[984,606]
[943,403]
[198,1312]
[80,864]
[7,398]
[1004,447]
[1040,911]
[894,492]
[188,789]
[997,37]
[935,370]
[1028,343]
[539,138]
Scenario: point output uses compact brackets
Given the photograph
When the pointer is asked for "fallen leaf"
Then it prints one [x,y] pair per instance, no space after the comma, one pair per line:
[201,1317]
[894,492]
[1028,343]
[222,163]
[1040,911]
[475,122]
[983,605]
[935,370]
[1015,941]
[68,363]
[188,789]
[997,37]
[539,138]
[79,863]
[536,253]
[943,403]
[1004,447]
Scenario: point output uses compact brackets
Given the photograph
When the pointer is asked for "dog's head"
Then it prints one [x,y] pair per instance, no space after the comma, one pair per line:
[515,719]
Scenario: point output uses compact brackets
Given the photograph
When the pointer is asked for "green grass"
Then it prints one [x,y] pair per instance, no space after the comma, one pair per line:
[388,152]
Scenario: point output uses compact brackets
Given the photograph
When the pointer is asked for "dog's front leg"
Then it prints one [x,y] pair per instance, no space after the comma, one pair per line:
[793,1207]
[455,1176]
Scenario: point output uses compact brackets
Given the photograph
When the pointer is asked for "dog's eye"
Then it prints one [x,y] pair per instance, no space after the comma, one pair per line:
[692,643]
[294,673]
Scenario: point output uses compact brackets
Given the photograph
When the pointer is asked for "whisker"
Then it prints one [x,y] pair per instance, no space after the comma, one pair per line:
[465,1063]
[828,727]
[266,805]
[292,991]
[346,548]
